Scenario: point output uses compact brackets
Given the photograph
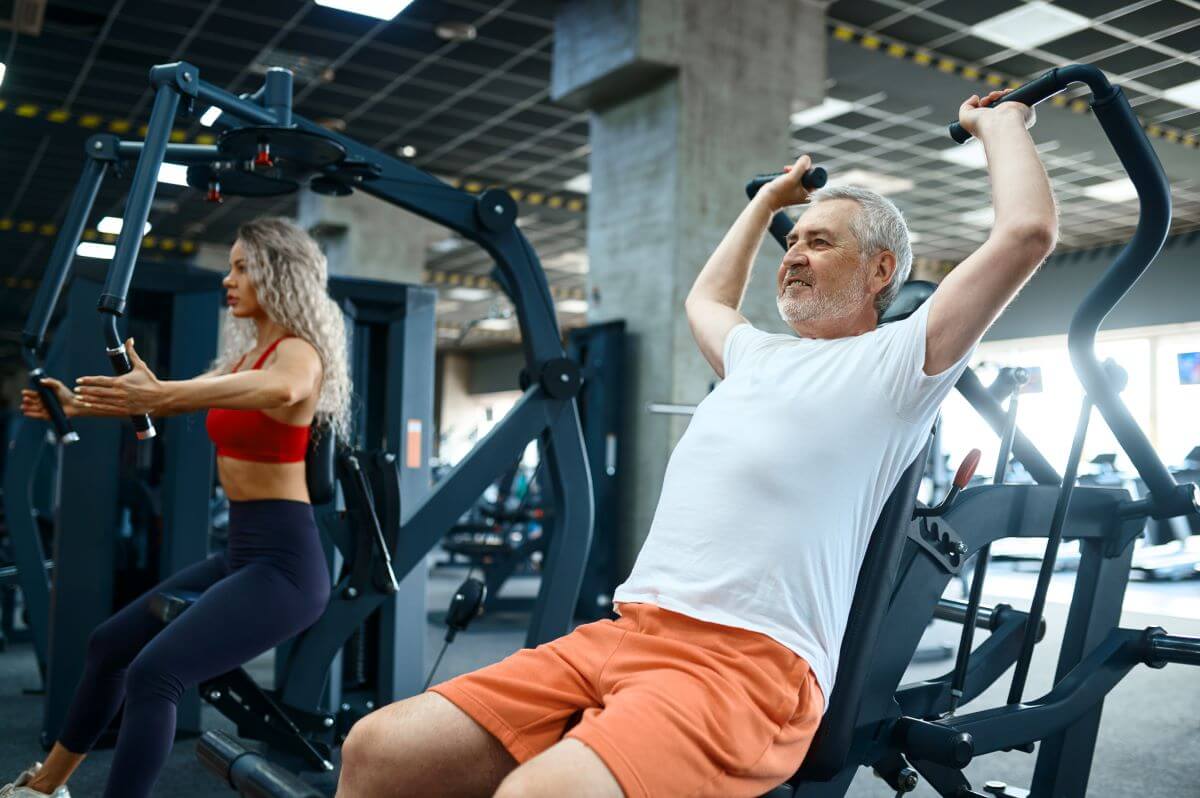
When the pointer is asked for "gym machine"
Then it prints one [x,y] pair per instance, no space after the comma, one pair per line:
[907,731]
[266,150]
[113,500]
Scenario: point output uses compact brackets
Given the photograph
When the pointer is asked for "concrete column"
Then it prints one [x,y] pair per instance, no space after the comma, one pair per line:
[366,237]
[690,99]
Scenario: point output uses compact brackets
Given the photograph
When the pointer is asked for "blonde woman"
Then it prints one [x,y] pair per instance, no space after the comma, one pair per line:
[282,366]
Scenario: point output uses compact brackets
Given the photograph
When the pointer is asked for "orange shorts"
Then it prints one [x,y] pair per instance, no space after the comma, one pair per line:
[672,705]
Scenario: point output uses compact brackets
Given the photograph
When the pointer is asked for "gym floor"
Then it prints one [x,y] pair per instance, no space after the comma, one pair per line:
[1153,716]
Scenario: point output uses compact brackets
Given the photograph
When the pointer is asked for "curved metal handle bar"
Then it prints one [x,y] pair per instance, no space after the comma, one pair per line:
[1133,149]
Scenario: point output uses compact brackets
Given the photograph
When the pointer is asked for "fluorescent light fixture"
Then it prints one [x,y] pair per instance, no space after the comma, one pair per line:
[210,116]
[828,109]
[448,306]
[445,245]
[173,173]
[575,262]
[1030,25]
[379,9]
[1119,190]
[573,305]
[981,217]
[469,294]
[579,183]
[3,69]
[113,225]
[914,238]
[1184,94]
[90,249]
[497,325]
[970,154]
[875,181]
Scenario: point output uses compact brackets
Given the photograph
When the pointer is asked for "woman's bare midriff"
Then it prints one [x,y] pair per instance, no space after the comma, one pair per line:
[246,480]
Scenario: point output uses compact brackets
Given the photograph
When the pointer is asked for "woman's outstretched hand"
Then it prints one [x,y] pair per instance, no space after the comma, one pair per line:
[136,393]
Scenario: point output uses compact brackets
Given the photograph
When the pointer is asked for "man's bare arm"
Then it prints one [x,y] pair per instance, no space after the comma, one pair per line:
[1023,235]
[713,304]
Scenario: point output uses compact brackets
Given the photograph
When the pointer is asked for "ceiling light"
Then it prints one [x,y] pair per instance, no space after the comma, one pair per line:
[379,9]
[496,325]
[874,181]
[914,238]
[970,154]
[3,69]
[1030,25]
[90,249]
[1184,94]
[981,217]
[455,31]
[573,305]
[446,245]
[1119,190]
[210,116]
[581,184]
[407,151]
[828,109]
[173,173]
[112,225]
[469,294]
[448,306]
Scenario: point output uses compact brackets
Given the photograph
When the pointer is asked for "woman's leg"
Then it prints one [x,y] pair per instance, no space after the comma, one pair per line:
[111,647]
[250,611]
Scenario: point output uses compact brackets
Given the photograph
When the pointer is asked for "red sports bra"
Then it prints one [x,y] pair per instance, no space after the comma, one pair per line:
[252,434]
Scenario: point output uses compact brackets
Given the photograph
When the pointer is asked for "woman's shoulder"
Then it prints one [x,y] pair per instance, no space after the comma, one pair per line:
[295,346]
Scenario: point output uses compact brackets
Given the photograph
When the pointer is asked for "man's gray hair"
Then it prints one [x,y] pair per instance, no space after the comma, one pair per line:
[878,226]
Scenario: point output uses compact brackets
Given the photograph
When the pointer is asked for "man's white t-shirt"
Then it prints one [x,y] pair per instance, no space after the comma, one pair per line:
[770,497]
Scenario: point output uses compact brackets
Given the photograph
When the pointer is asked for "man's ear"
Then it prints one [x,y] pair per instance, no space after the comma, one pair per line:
[885,267]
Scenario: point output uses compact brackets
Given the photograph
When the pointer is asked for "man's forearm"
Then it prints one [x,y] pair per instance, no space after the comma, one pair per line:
[1021,195]
[727,273]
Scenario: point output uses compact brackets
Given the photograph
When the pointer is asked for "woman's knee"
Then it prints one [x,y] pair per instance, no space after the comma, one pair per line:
[147,676]
[106,644]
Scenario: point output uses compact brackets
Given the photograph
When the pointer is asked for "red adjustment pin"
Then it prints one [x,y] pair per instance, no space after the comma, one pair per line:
[961,478]
[214,192]
[967,469]
[263,157]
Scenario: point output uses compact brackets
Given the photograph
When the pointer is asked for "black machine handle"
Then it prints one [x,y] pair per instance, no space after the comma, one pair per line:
[119,358]
[1039,89]
[58,417]
[812,180]
[781,225]
[1124,132]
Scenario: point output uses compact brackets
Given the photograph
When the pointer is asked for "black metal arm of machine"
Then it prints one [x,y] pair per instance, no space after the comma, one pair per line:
[1124,132]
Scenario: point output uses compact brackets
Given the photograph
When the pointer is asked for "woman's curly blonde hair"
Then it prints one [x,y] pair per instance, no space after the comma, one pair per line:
[289,273]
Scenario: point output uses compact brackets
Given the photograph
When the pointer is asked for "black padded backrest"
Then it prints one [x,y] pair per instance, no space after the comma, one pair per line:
[910,297]
[828,753]
[318,465]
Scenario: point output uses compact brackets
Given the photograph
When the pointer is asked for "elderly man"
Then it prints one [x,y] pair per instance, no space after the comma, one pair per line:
[713,679]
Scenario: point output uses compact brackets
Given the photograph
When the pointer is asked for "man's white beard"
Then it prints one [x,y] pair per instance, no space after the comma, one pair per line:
[812,304]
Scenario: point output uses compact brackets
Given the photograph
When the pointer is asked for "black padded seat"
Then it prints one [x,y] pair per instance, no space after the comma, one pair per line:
[167,605]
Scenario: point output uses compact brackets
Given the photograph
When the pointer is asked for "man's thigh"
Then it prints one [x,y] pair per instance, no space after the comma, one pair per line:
[421,746]
[566,768]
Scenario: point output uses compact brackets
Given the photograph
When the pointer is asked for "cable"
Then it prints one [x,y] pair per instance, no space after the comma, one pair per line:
[451,633]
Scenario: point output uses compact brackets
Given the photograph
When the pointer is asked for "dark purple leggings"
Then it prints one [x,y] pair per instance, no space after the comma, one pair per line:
[271,584]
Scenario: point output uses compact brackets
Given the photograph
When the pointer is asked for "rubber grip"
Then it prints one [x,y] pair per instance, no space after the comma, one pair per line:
[967,469]
[58,417]
[813,179]
[1040,88]
[121,364]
